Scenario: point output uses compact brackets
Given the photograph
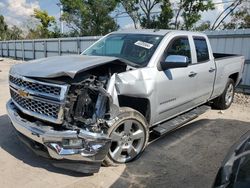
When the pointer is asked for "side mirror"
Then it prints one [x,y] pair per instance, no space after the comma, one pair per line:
[174,61]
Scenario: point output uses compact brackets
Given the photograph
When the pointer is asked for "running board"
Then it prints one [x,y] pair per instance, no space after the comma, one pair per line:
[180,120]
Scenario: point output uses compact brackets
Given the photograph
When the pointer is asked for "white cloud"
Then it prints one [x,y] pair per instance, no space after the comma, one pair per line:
[19,10]
[12,20]
[22,7]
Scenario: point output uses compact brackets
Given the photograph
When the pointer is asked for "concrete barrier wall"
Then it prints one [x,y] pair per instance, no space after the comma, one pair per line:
[40,48]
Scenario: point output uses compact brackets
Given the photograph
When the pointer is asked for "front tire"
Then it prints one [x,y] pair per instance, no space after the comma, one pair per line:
[225,100]
[129,134]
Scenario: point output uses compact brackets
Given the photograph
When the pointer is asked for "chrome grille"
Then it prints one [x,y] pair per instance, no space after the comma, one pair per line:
[39,99]
[35,86]
[43,108]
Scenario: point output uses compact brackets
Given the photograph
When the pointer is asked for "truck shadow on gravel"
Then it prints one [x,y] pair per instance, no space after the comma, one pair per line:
[188,157]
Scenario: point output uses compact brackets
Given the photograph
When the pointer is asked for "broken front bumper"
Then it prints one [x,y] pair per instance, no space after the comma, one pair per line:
[80,151]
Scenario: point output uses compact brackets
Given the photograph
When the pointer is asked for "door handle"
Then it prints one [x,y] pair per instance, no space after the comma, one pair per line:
[192,74]
[211,69]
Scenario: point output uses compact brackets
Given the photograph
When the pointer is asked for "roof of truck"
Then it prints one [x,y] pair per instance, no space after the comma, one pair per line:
[153,31]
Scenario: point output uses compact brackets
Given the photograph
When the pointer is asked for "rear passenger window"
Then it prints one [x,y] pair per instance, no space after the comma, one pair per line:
[179,46]
[201,49]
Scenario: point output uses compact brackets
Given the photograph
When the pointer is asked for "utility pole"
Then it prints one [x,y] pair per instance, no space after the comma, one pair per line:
[61,13]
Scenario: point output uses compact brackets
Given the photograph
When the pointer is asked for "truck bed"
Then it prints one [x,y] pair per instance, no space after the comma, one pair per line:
[223,56]
[227,64]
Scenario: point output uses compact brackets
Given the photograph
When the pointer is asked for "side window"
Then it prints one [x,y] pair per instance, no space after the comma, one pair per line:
[201,49]
[179,46]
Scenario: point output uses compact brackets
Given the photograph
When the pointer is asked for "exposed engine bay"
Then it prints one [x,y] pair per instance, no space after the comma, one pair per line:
[88,104]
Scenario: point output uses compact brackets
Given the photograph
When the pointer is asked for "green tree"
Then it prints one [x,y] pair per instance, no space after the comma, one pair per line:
[6,33]
[148,18]
[89,17]
[145,13]
[132,9]
[56,32]
[165,17]
[43,26]
[14,33]
[204,26]
[3,28]
[142,12]
[46,21]
[240,20]
[190,11]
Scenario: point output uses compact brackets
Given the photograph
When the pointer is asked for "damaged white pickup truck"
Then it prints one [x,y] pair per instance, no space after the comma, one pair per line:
[100,107]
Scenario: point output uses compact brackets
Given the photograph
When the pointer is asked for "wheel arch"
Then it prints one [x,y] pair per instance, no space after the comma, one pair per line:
[142,105]
[234,77]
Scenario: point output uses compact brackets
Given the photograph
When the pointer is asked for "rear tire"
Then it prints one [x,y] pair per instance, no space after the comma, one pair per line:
[225,100]
[129,134]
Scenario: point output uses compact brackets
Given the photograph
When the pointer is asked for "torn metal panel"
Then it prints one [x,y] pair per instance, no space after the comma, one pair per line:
[111,89]
[61,66]
[136,83]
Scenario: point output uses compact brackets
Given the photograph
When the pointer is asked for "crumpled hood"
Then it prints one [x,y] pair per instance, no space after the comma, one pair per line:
[52,67]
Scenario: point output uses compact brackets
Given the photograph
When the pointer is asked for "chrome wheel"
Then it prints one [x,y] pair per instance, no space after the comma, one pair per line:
[128,139]
[229,94]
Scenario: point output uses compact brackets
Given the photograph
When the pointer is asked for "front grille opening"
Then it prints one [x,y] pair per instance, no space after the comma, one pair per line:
[44,106]
[39,107]
[38,122]
[41,88]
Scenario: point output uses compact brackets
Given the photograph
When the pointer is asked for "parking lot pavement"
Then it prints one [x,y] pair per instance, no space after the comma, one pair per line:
[188,157]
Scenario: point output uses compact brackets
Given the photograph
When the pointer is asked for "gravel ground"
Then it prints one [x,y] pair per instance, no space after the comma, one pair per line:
[188,157]
[10,61]
[241,99]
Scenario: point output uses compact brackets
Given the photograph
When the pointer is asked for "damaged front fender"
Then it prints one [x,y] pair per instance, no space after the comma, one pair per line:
[135,83]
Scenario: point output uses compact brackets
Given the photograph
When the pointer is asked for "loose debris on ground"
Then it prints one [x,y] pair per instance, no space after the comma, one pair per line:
[242,99]
[11,61]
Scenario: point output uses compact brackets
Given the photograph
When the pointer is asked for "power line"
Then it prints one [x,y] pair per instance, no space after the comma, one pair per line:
[158,12]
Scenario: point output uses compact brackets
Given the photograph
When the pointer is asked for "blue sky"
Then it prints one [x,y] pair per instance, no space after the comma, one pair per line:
[50,6]
[18,12]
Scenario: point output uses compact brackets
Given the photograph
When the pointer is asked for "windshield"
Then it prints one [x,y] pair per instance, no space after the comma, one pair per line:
[136,48]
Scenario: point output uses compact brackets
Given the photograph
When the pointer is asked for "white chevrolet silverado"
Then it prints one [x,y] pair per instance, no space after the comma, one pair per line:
[102,106]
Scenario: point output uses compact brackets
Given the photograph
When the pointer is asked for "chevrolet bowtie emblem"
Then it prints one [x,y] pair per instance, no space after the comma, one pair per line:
[23,93]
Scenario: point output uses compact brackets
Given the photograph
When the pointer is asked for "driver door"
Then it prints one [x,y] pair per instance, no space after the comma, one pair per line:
[176,86]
